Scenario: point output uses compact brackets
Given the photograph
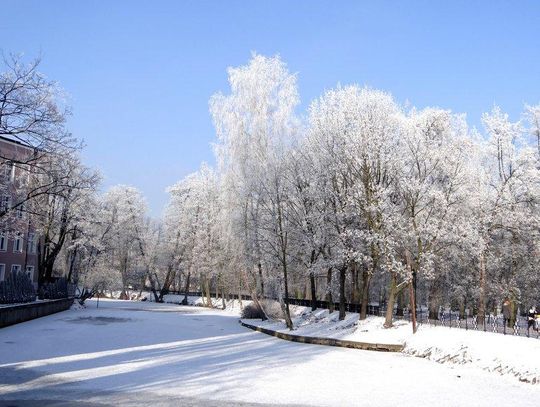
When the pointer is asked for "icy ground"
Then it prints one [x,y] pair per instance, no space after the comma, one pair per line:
[518,357]
[140,353]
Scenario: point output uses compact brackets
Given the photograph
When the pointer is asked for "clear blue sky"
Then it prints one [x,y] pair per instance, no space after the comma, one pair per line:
[140,73]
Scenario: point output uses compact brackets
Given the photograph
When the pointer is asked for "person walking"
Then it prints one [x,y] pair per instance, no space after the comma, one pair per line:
[506,311]
[531,318]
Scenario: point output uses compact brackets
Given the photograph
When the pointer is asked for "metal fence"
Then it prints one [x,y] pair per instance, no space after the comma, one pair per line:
[449,319]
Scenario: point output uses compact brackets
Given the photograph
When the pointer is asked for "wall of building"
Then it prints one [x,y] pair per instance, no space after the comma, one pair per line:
[19,223]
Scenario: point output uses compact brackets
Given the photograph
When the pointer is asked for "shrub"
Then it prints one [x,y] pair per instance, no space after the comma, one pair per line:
[271,307]
[17,288]
[252,311]
[55,290]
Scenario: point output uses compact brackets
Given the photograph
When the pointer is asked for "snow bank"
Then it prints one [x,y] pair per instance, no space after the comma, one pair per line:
[322,323]
[76,306]
[506,355]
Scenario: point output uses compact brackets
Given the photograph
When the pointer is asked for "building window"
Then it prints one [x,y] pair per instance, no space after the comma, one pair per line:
[4,203]
[31,244]
[2,272]
[3,242]
[9,171]
[15,268]
[20,211]
[18,243]
[30,272]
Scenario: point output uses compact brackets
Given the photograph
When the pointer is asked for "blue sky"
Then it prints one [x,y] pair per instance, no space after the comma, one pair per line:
[140,73]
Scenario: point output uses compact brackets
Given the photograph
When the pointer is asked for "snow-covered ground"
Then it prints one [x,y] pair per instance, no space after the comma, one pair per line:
[506,355]
[142,353]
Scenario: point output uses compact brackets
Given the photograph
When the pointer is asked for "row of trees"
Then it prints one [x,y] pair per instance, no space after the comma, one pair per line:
[44,184]
[362,200]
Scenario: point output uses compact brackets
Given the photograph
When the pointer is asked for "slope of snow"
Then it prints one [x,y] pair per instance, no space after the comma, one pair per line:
[142,353]
[505,354]
[322,323]
[502,354]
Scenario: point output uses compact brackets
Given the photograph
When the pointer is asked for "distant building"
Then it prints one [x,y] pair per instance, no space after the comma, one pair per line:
[18,238]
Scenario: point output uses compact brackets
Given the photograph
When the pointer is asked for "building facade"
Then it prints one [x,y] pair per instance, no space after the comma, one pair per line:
[18,238]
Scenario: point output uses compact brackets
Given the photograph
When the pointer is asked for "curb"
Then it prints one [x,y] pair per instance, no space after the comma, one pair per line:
[379,347]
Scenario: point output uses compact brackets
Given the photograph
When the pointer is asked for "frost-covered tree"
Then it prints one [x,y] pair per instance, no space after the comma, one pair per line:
[250,122]
[365,199]
[33,112]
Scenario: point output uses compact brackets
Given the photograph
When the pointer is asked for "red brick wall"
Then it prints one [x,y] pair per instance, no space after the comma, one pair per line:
[10,150]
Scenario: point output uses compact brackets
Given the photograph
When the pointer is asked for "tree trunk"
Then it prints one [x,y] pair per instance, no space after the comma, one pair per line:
[366,279]
[482,294]
[259,266]
[355,285]
[186,291]
[208,295]
[412,290]
[329,298]
[254,296]
[413,306]
[400,299]
[153,286]
[313,291]
[223,303]
[342,299]
[434,301]
[288,319]
[169,278]
[123,274]
[391,300]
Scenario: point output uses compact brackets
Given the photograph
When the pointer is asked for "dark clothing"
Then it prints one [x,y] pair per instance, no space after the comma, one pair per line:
[531,319]
[506,313]
[506,309]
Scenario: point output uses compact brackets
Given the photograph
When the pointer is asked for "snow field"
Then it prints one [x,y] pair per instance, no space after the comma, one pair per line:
[147,352]
[503,354]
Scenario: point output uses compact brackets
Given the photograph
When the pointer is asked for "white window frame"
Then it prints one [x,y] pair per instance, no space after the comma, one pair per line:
[2,271]
[9,170]
[20,211]
[3,242]
[18,241]
[31,243]
[30,272]
[13,267]
[5,203]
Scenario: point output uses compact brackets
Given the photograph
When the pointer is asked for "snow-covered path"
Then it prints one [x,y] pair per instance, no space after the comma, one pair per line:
[133,353]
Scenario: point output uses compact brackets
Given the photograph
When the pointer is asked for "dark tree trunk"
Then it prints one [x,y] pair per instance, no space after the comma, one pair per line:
[342,299]
[329,298]
[400,304]
[313,291]
[482,291]
[366,279]
[288,319]
[186,291]
[208,295]
[169,278]
[153,287]
[259,266]
[391,298]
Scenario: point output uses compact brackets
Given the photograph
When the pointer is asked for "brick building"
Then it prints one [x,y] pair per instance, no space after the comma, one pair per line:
[18,238]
